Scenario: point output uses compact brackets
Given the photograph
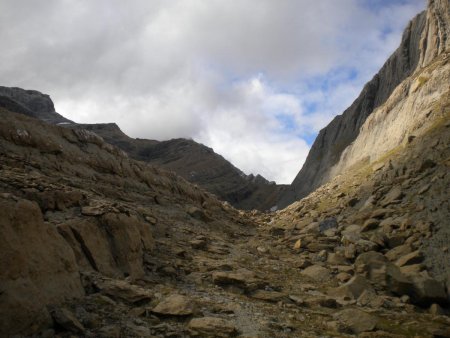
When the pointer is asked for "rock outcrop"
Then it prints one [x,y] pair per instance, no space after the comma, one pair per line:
[425,38]
[31,103]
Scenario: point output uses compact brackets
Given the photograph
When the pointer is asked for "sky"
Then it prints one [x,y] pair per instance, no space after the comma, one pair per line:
[253,79]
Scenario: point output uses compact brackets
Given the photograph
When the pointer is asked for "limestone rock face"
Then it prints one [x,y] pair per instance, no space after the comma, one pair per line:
[37,267]
[359,133]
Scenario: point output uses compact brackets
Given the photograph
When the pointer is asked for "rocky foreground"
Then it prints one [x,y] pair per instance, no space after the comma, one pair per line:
[94,244]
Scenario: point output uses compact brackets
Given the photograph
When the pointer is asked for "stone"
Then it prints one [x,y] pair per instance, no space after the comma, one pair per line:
[122,290]
[298,245]
[67,320]
[356,321]
[343,277]
[352,201]
[197,213]
[436,310]
[174,305]
[93,210]
[414,257]
[427,291]
[352,289]
[269,296]
[395,240]
[336,259]
[412,270]
[317,273]
[352,230]
[376,268]
[328,223]
[381,213]
[370,224]
[393,196]
[242,278]
[212,327]
[378,238]
[398,252]
[297,300]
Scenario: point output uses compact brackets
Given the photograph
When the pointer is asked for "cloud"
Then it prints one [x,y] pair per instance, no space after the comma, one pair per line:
[255,80]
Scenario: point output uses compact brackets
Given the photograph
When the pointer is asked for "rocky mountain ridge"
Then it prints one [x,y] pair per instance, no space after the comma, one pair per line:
[193,161]
[425,38]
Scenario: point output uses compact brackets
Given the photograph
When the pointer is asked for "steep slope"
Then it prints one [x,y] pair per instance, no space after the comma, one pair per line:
[424,39]
[193,161]
[197,164]
[73,204]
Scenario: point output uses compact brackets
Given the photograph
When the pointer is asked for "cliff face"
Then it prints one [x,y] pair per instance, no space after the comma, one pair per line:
[424,38]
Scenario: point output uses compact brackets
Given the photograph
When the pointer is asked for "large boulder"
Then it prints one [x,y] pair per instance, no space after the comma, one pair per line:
[37,268]
[356,321]
[113,244]
[382,273]
[428,291]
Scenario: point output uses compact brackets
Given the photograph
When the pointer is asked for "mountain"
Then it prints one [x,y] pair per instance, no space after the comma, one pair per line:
[31,103]
[193,161]
[198,164]
[426,37]
[94,243]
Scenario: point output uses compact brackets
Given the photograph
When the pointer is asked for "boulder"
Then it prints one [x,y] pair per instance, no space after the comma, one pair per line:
[395,195]
[328,223]
[317,272]
[398,252]
[370,224]
[336,259]
[376,268]
[242,278]
[414,257]
[352,289]
[37,268]
[356,321]
[269,296]
[120,289]
[212,327]
[174,305]
[428,291]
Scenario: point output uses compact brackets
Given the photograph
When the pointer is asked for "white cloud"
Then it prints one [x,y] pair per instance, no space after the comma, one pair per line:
[245,77]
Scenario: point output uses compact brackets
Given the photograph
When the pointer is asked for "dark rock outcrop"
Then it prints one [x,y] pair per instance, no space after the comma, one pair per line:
[31,103]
